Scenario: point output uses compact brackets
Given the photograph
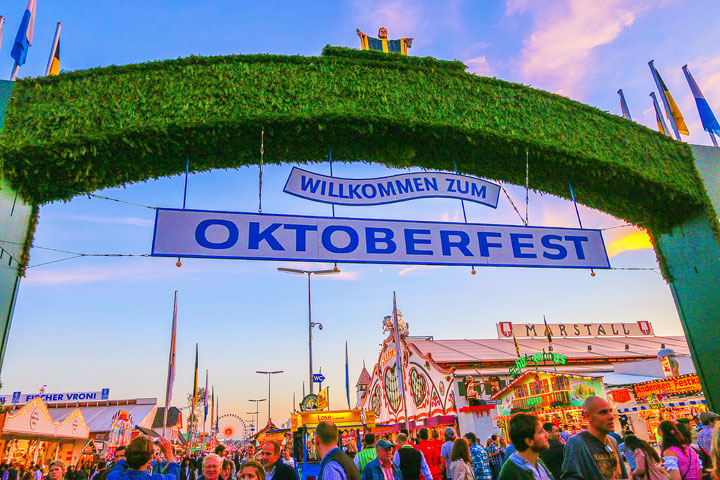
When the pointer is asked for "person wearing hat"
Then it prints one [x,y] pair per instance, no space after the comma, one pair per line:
[446,451]
[382,468]
[704,438]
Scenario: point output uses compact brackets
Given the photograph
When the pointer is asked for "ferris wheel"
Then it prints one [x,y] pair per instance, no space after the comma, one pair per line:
[231,427]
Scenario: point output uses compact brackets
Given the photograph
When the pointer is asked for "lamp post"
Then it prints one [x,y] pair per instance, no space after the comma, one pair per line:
[311,324]
[257,411]
[269,374]
[252,423]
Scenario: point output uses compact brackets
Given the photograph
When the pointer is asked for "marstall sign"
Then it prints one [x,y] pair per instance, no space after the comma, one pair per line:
[396,188]
[534,359]
[207,234]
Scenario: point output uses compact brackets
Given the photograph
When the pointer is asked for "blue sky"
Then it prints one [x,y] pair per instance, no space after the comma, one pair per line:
[104,322]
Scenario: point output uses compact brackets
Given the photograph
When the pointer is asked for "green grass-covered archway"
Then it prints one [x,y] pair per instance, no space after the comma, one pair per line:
[105,127]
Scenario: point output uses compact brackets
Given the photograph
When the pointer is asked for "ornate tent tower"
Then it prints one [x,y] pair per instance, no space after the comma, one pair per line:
[362,385]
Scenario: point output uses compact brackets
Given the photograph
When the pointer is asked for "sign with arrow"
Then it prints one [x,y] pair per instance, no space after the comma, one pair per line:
[318,377]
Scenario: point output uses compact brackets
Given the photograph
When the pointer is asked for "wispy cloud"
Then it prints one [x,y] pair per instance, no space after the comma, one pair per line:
[400,17]
[479,66]
[136,221]
[558,53]
[417,270]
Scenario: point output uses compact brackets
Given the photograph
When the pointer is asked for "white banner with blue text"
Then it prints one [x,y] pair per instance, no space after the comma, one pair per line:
[208,234]
[396,188]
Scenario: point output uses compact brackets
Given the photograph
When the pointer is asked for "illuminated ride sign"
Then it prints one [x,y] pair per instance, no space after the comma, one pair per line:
[207,234]
[535,359]
[396,188]
[670,386]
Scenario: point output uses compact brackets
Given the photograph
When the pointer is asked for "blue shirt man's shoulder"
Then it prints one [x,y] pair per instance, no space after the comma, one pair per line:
[334,471]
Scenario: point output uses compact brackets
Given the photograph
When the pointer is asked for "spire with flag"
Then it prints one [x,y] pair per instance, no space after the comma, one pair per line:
[662,128]
[24,38]
[548,333]
[671,109]
[53,66]
[517,347]
[623,105]
[707,117]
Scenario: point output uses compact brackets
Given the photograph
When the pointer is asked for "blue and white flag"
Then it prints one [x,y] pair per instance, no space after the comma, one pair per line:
[707,117]
[24,37]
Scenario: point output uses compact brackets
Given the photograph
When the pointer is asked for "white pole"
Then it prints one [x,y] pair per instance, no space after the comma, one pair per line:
[712,137]
[56,40]
[14,73]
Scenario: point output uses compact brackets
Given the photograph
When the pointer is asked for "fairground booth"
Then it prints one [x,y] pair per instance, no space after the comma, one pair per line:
[429,397]
[553,397]
[29,435]
[469,372]
[672,391]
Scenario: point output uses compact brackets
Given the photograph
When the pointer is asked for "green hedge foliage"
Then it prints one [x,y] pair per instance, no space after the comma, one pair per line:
[87,130]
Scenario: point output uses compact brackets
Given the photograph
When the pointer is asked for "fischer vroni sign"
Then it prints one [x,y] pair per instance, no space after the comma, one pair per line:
[209,234]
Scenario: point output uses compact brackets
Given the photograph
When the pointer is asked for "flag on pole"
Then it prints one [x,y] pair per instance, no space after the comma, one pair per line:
[24,37]
[623,105]
[517,347]
[2,20]
[205,401]
[548,333]
[217,413]
[398,359]
[53,66]
[171,364]
[347,376]
[195,392]
[671,109]
[212,410]
[707,117]
[658,116]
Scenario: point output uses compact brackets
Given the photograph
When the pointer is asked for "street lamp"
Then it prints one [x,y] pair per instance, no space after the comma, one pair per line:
[269,374]
[311,324]
[252,422]
[257,411]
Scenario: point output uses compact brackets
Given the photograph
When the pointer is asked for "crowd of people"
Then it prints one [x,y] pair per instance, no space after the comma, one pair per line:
[537,451]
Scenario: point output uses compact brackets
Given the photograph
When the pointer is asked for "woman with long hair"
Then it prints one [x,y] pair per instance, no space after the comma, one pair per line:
[647,461]
[679,459]
[460,460]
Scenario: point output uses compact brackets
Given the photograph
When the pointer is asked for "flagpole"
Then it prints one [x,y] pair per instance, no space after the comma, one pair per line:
[658,112]
[398,361]
[347,375]
[2,20]
[623,105]
[666,102]
[194,397]
[171,365]
[698,95]
[54,46]
[205,404]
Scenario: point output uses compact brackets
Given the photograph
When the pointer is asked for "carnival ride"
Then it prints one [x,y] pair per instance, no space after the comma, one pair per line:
[231,427]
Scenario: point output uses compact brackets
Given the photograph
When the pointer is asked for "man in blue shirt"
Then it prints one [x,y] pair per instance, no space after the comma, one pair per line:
[137,461]
[335,464]
[382,468]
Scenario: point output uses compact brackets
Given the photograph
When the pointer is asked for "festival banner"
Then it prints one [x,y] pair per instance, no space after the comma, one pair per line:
[683,384]
[395,188]
[208,234]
